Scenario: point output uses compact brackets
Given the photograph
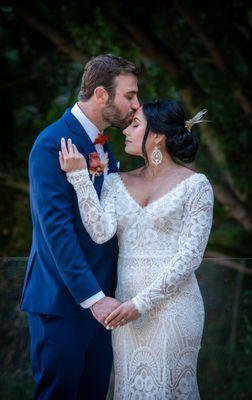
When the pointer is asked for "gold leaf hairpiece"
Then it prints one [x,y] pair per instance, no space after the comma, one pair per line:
[196,119]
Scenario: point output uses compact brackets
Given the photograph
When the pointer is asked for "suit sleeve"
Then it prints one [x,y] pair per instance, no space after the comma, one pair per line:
[53,197]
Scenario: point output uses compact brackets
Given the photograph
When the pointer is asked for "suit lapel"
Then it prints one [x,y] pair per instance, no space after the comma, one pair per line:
[84,140]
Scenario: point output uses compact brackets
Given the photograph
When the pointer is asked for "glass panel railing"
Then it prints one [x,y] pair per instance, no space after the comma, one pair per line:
[224,366]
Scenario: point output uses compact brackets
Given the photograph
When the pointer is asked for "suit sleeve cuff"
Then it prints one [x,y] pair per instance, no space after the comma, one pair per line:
[92,300]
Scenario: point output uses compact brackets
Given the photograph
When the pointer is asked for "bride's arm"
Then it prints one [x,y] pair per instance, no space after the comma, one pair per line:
[197,222]
[98,217]
[196,226]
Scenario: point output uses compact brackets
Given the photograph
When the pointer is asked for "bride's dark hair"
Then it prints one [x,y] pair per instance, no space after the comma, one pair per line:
[168,118]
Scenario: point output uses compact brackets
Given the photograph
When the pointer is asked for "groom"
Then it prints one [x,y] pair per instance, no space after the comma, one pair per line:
[70,280]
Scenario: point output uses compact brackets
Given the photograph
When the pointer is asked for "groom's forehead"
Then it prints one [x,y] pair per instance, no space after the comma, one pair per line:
[126,83]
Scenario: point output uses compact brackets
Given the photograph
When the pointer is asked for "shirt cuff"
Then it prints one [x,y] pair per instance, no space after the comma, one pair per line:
[92,300]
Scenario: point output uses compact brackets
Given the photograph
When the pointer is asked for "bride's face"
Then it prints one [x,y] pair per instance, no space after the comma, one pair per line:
[134,134]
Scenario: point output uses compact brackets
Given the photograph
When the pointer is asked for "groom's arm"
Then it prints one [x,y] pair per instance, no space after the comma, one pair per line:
[92,300]
[54,206]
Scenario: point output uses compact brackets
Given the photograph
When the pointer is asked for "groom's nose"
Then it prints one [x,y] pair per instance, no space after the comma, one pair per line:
[135,106]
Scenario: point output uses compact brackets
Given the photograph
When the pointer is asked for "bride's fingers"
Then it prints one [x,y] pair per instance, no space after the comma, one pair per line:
[70,148]
[61,160]
[78,154]
[118,320]
[64,148]
[75,150]
[114,314]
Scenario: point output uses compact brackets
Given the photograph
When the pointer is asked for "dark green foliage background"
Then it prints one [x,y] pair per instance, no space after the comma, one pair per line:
[196,52]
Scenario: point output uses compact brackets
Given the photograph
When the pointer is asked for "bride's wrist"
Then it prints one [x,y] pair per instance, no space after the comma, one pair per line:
[77,172]
[136,305]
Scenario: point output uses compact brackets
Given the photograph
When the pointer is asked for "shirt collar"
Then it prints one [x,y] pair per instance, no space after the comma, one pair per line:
[88,125]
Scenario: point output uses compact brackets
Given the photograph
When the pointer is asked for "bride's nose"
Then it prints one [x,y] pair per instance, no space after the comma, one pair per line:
[125,132]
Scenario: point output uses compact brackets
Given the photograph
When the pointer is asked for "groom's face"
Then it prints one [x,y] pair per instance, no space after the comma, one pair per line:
[119,111]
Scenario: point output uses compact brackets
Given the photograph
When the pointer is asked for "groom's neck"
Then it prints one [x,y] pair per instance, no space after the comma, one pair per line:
[93,113]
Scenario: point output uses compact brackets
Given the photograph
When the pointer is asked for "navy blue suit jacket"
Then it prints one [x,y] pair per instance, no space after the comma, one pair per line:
[65,266]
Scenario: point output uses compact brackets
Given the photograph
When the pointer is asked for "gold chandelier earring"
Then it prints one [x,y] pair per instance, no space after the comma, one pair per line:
[156,156]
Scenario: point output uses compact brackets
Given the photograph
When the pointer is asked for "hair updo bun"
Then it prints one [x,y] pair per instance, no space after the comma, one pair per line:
[167,117]
[182,144]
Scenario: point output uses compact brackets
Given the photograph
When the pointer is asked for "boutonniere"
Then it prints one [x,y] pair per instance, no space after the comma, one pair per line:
[96,165]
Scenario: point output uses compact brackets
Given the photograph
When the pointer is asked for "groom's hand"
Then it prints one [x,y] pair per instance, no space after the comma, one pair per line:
[103,308]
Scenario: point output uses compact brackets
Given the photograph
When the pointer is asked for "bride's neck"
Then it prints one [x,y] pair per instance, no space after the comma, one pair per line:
[151,171]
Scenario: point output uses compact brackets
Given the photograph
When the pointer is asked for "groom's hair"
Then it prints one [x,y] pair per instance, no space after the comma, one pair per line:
[102,71]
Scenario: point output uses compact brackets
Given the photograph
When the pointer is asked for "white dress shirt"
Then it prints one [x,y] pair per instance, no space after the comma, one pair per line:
[92,132]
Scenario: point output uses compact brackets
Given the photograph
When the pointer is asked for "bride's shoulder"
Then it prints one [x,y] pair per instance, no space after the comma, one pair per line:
[199,182]
[201,177]
[111,179]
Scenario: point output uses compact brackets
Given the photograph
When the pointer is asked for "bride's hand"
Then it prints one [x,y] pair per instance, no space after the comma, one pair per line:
[122,315]
[69,157]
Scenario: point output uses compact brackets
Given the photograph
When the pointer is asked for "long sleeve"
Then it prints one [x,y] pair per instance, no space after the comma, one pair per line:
[196,227]
[99,218]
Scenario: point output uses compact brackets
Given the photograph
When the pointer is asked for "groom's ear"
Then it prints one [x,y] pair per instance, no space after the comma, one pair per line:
[101,95]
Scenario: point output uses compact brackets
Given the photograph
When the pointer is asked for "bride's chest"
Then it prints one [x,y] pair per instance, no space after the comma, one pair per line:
[160,214]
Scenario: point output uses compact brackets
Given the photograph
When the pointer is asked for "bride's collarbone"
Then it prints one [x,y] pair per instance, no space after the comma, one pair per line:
[145,191]
[138,189]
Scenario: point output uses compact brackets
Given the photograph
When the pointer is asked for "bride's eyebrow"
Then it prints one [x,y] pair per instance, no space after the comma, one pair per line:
[136,119]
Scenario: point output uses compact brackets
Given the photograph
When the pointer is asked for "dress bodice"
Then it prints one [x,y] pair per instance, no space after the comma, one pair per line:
[152,230]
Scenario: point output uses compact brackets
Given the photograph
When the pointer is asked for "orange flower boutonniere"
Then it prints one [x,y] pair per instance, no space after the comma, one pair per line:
[97,166]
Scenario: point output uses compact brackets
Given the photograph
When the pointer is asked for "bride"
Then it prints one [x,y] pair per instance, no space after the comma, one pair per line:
[162,215]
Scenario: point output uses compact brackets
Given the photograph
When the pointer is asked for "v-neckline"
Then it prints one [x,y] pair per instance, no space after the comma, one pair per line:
[159,198]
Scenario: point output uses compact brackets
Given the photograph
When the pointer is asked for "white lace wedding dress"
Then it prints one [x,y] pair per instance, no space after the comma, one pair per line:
[161,245]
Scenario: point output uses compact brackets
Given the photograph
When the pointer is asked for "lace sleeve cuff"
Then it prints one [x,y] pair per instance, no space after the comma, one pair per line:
[77,177]
[141,306]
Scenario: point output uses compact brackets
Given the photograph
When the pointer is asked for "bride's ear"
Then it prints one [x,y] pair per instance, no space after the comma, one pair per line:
[159,139]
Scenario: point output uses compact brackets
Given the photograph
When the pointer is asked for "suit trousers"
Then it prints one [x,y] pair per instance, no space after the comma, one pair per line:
[71,358]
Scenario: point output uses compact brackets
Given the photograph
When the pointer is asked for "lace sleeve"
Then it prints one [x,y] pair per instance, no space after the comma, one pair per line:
[196,226]
[98,217]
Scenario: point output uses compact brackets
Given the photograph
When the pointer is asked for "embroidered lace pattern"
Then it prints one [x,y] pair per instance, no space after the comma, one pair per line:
[160,247]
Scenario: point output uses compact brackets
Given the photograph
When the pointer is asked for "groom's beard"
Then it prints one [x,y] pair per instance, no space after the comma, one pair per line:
[113,116]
